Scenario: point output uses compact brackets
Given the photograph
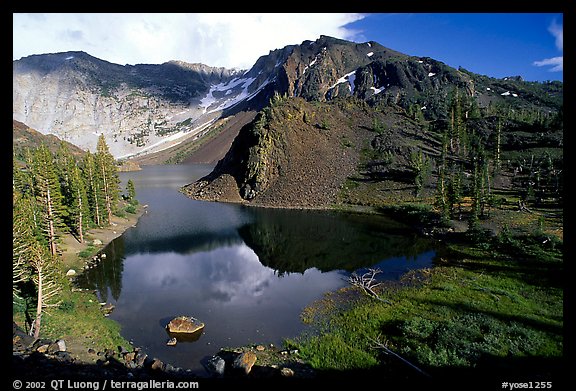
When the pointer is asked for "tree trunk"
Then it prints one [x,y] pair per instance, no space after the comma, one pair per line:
[36,327]
[80,230]
[51,232]
[107,195]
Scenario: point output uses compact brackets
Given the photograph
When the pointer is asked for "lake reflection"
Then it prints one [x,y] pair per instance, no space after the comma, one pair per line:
[247,273]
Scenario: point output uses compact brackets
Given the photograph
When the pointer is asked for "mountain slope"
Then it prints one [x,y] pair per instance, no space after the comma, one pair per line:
[25,137]
[346,123]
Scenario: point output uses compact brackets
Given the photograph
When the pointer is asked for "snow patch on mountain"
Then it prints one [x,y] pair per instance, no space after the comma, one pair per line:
[347,78]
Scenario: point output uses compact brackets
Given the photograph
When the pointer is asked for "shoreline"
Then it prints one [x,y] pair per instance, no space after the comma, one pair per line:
[78,346]
[71,247]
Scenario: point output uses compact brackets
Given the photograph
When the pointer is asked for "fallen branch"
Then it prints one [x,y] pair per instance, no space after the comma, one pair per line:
[522,207]
[384,346]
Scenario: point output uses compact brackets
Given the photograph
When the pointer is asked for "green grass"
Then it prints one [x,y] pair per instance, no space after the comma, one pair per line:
[88,252]
[78,317]
[479,307]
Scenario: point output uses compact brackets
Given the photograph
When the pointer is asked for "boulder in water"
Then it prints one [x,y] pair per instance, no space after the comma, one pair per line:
[184,325]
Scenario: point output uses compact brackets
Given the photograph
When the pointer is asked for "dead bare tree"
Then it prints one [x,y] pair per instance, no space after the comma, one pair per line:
[378,344]
[367,282]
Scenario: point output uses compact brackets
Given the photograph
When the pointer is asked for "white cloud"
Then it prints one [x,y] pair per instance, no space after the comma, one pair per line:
[557,63]
[227,40]
[558,32]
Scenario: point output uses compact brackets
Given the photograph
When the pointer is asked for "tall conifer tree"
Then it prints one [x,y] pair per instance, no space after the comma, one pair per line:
[108,173]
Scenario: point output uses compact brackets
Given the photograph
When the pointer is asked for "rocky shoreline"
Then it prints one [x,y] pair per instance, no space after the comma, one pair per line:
[49,359]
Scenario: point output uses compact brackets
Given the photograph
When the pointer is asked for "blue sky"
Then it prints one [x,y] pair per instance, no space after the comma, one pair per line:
[497,45]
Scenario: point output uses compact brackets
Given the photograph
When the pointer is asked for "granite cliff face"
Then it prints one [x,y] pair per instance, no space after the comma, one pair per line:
[76,97]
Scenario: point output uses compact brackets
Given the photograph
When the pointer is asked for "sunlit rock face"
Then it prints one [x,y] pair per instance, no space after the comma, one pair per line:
[138,107]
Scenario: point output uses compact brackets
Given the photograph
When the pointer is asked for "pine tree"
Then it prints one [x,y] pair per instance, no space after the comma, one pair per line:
[31,261]
[455,190]
[481,188]
[93,188]
[45,277]
[130,190]
[49,197]
[78,203]
[22,238]
[107,171]
[458,115]
[23,181]
[498,145]
[420,165]
[441,184]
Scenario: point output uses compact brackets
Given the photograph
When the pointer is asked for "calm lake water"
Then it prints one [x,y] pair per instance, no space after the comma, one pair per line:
[246,272]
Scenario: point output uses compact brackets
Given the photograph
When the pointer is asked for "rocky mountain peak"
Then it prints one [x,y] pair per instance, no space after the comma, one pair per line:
[148,107]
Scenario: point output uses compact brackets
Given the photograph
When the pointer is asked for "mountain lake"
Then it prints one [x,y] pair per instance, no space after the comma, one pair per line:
[245,272]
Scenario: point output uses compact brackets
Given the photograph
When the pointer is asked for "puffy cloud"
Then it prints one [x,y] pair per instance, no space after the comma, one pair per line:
[227,40]
[557,63]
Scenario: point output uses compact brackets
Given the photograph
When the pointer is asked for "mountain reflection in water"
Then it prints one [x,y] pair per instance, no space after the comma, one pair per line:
[247,273]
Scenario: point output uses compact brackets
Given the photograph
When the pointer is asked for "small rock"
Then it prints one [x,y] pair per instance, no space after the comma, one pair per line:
[103,256]
[58,346]
[140,357]
[172,342]
[215,366]
[96,242]
[170,368]
[260,348]
[287,372]
[61,345]
[42,348]
[91,351]
[108,308]
[64,357]
[108,353]
[157,365]
[244,362]
[128,357]
[70,273]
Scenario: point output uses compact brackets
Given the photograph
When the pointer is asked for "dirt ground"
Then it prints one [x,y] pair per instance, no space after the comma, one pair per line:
[71,246]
